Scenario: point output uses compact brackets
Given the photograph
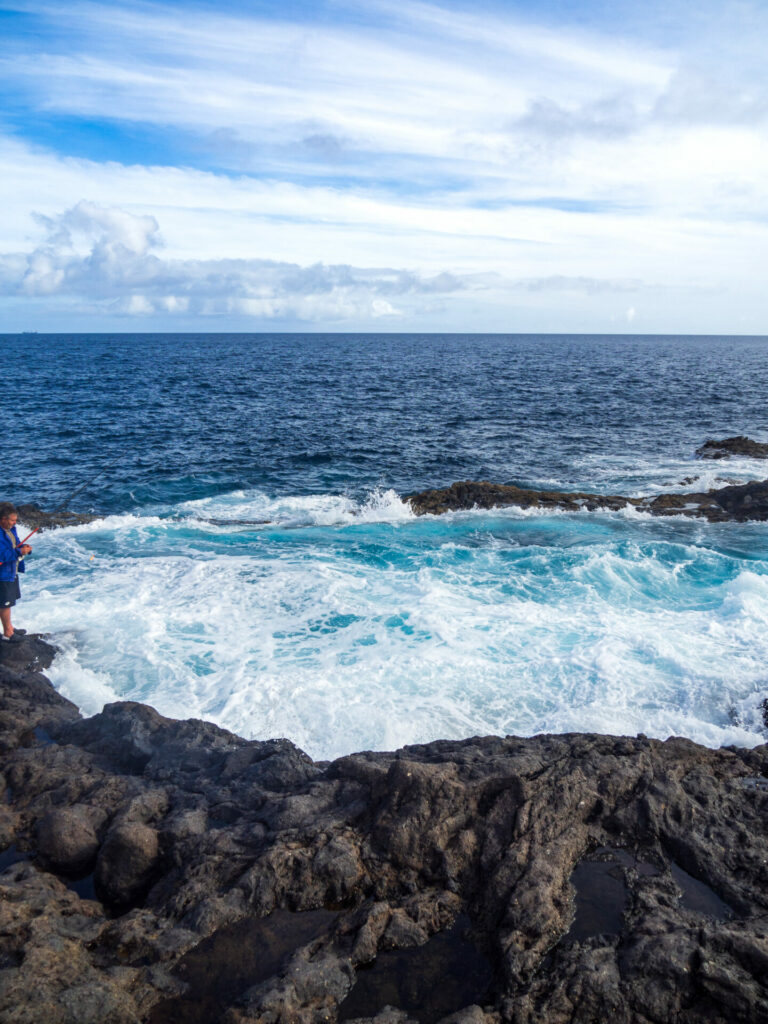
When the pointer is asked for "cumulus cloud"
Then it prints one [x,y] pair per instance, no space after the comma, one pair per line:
[105,256]
[111,260]
[115,231]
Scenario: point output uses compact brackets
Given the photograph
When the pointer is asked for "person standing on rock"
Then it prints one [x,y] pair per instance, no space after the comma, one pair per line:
[11,564]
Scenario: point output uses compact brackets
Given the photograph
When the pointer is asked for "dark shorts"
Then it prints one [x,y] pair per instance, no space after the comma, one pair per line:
[10,592]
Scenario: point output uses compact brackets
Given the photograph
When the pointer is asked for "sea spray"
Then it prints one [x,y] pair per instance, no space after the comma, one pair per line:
[348,624]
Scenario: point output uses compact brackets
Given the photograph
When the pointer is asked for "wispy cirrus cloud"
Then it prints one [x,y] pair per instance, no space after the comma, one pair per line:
[459,143]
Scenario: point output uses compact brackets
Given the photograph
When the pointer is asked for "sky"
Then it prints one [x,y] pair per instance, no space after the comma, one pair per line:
[558,166]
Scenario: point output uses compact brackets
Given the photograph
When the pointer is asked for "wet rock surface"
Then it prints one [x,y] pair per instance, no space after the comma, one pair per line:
[733,446]
[736,502]
[33,517]
[206,848]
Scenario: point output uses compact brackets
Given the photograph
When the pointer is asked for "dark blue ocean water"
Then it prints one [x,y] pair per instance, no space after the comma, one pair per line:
[253,562]
[175,417]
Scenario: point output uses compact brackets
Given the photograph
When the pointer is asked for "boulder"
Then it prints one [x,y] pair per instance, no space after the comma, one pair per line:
[126,863]
[67,839]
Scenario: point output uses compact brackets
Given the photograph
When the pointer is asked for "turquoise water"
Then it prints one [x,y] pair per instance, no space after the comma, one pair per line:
[348,627]
[254,565]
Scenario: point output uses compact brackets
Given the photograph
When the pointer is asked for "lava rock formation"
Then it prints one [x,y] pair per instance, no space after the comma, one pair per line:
[159,871]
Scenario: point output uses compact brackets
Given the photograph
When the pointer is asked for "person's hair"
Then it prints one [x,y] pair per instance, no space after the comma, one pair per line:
[7,509]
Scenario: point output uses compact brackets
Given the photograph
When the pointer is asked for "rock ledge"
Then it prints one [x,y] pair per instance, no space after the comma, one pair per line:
[600,877]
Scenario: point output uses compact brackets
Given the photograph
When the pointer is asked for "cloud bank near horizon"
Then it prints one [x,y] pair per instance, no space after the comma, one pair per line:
[412,166]
[113,261]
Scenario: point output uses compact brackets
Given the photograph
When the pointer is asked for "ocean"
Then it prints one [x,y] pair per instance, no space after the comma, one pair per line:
[253,562]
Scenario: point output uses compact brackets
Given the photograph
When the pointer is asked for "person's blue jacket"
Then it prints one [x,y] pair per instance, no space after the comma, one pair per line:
[9,556]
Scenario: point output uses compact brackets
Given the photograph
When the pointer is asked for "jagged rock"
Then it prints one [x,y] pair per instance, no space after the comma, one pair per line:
[388,1015]
[729,446]
[481,494]
[739,502]
[29,705]
[309,991]
[46,971]
[203,833]
[33,517]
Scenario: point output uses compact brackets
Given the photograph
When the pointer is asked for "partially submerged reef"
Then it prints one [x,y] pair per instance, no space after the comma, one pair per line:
[35,518]
[737,446]
[160,872]
[736,502]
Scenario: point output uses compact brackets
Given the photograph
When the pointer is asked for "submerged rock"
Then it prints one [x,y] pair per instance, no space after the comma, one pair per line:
[730,446]
[209,849]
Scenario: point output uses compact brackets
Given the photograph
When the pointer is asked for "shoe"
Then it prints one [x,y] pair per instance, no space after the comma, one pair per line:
[21,632]
[14,639]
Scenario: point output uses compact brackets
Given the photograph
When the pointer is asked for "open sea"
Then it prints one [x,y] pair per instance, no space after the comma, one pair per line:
[253,563]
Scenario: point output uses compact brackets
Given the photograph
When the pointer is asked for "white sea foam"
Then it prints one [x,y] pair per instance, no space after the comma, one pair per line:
[374,628]
[653,476]
[300,510]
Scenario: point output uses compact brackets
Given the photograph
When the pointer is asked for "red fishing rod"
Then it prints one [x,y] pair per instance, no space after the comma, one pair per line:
[64,504]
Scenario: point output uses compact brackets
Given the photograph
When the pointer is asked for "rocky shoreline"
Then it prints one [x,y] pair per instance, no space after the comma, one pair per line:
[734,502]
[731,503]
[167,871]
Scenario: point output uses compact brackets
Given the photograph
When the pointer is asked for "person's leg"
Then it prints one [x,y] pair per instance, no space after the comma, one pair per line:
[5,619]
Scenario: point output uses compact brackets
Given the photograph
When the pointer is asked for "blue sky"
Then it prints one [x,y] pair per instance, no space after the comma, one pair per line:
[387,166]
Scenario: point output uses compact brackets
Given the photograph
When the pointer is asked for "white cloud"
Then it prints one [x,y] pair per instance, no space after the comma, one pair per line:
[105,256]
[428,83]
[595,55]
[116,231]
[541,160]
[113,260]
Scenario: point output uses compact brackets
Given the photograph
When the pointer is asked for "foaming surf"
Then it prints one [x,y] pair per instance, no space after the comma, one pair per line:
[350,624]
[646,477]
[239,508]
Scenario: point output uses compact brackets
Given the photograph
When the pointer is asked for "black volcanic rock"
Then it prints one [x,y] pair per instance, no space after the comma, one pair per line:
[737,502]
[205,844]
[33,517]
[127,861]
[66,839]
[481,494]
[730,446]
